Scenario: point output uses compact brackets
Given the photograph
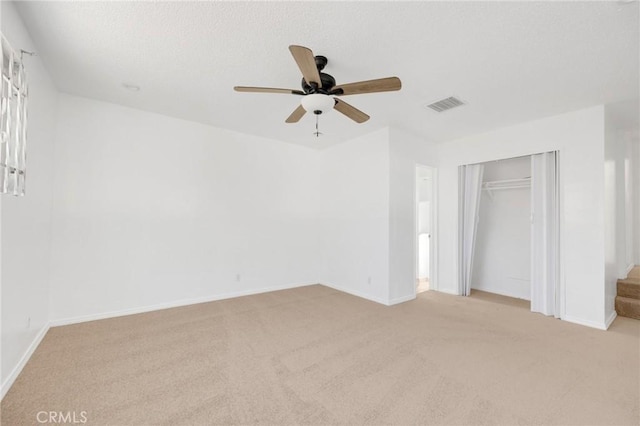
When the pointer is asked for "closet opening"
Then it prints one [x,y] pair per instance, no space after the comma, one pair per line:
[508,232]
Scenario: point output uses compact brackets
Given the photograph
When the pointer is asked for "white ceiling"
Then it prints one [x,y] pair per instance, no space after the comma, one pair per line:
[510,61]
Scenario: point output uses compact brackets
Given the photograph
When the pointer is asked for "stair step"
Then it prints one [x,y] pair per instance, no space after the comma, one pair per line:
[635,272]
[627,307]
[629,287]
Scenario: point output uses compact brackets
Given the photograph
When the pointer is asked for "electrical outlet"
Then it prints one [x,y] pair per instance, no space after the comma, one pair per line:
[28,322]
[369,280]
[237,277]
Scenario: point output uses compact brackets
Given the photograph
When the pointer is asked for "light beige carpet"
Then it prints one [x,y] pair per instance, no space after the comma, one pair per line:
[317,356]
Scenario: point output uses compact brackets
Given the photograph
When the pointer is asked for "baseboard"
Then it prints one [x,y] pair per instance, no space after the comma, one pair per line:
[168,305]
[389,302]
[23,361]
[402,299]
[629,268]
[357,293]
[610,319]
[446,291]
[588,323]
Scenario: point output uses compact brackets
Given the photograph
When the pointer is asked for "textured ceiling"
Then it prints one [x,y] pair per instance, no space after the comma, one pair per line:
[509,61]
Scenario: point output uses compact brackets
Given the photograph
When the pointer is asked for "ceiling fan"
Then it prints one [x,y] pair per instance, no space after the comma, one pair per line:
[319,90]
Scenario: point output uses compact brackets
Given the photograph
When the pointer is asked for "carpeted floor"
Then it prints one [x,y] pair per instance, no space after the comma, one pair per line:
[314,355]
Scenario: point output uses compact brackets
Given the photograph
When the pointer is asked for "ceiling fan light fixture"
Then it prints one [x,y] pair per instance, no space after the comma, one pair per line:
[318,103]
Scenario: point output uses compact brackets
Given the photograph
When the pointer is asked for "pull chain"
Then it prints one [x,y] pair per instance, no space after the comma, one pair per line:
[317,132]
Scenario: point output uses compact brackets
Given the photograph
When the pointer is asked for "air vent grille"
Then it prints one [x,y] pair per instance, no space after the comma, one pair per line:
[445,104]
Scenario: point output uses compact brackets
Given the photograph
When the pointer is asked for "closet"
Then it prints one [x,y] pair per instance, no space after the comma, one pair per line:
[508,230]
[502,262]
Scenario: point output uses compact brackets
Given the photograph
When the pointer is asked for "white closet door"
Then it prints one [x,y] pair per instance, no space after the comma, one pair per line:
[544,235]
[470,190]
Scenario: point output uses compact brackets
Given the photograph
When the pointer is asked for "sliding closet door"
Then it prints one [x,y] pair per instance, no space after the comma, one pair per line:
[470,190]
[545,297]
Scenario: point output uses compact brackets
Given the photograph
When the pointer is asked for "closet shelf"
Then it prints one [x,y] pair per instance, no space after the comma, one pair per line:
[506,184]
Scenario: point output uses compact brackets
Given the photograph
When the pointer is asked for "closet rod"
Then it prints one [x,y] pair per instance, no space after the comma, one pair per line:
[506,184]
[506,187]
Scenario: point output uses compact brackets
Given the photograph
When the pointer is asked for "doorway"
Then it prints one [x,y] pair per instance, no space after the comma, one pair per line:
[424,227]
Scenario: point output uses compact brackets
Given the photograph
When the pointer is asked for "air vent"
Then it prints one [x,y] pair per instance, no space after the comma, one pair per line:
[445,104]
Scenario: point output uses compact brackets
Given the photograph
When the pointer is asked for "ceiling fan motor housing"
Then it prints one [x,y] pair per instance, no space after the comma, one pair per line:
[326,80]
[327,83]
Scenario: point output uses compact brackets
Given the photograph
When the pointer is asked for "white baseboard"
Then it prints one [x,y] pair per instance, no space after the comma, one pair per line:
[629,268]
[389,302]
[588,323]
[446,291]
[23,361]
[610,320]
[168,305]
[357,293]
[402,299]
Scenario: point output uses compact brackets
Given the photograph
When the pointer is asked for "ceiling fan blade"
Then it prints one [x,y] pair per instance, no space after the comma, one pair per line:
[307,64]
[267,90]
[388,84]
[351,112]
[296,115]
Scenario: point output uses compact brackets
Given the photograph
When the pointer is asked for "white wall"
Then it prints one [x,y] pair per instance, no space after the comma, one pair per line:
[369,214]
[502,261]
[623,140]
[613,211]
[354,231]
[26,221]
[579,136]
[628,170]
[150,210]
